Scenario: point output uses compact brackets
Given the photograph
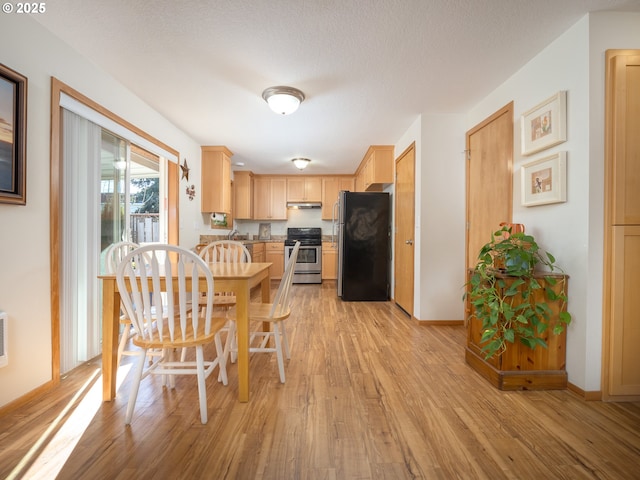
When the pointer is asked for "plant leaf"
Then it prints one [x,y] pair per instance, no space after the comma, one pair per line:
[565,317]
[509,335]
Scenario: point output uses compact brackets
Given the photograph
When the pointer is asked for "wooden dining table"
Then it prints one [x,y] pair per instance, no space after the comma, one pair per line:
[239,278]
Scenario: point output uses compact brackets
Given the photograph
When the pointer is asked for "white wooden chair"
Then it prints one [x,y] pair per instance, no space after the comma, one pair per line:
[114,254]
[141,281]
[225,251]
[274,313]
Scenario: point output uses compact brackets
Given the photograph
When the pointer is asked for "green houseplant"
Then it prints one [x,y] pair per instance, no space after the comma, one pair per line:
[508,300]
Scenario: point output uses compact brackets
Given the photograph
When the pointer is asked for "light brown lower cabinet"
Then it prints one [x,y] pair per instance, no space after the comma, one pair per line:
[258,254]
[275,254]
[329,261]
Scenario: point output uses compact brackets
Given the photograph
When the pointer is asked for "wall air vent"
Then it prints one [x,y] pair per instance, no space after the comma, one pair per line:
[4,319]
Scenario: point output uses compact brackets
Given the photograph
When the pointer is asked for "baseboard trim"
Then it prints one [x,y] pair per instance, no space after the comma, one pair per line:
[442,323]
[594,396]
[26,398]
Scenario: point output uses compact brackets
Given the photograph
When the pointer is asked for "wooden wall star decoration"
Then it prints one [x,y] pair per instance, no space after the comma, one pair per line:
[185,170]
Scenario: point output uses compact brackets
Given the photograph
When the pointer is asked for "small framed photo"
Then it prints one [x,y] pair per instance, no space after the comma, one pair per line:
[264,232]
[544,181]
[13,136]
[544,125]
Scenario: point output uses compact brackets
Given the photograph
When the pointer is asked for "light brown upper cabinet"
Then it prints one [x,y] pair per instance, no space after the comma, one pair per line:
[330,188]
[216,179]
[304,189]
[243,195]
[375,172]
[270,198]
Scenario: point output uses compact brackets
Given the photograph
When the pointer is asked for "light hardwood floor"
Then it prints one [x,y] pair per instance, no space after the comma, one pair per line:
[369,395]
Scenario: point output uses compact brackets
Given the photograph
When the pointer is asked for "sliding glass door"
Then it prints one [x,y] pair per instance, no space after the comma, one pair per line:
[113,191]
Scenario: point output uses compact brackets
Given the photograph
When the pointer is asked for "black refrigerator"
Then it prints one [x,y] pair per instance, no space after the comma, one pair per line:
[363,230]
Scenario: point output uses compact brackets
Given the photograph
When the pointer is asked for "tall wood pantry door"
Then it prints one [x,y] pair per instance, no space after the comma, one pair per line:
[621,315]
[404,230]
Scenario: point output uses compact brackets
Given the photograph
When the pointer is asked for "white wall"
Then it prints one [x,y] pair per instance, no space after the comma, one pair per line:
[439,235]
[28,48]
[442,240]
[572,231]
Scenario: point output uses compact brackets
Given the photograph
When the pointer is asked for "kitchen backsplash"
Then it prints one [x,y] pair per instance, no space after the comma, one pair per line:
[296,218]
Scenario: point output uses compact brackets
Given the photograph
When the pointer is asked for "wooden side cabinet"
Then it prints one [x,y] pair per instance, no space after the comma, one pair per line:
[519,367]
[216,179]
[329,261]
[624,376]
[275,254]
[376,169]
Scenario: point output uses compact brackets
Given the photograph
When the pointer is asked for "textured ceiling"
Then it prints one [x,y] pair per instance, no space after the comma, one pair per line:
[367,67]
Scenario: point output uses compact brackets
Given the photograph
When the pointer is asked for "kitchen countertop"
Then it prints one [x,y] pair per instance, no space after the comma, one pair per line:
[206,239]
[271,240]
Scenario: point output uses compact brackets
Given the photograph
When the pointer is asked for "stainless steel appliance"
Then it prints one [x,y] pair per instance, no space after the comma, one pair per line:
[363,228]
[308,268]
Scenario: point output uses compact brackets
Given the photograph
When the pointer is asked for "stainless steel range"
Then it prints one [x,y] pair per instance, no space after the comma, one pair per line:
[308,268]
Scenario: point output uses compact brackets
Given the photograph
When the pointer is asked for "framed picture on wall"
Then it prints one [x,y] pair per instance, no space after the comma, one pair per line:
[544,125]
[13,136]
[544,181]
[264,232]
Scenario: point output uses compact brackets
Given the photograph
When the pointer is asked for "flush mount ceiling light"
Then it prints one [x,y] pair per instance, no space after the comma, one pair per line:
[283,100]
[301,163]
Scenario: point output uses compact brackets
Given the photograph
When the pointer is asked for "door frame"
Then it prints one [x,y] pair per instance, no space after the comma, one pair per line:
[55,201]
[411,147]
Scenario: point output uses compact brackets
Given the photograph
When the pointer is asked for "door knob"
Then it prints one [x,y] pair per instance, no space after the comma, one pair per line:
[409,242]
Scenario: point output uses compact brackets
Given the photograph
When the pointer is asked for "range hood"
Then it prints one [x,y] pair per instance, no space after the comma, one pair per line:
[301,205]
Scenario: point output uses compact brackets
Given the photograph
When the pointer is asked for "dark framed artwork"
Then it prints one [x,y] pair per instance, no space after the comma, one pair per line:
[13,137]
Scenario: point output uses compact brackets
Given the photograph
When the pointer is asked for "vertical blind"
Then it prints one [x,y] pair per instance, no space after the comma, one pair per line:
[80,296]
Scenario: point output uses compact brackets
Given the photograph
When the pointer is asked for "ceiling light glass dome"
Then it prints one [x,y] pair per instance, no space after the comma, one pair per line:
[283,100]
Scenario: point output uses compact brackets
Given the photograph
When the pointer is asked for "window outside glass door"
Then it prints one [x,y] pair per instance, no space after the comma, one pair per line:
[130,193]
